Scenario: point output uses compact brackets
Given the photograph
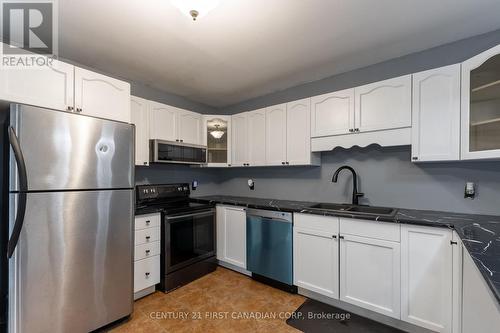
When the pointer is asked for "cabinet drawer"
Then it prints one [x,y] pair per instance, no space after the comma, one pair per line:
[148,235]
[317,222]
[371,229]
[147,221]
[147,250]
[146,273]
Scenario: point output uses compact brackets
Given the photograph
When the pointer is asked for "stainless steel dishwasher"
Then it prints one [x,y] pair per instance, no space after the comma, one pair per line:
[270,247]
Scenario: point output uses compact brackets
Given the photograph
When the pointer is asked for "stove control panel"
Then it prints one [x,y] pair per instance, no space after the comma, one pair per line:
[154,192]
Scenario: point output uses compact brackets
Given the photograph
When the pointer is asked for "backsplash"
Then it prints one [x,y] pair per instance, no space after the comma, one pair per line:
[386,176]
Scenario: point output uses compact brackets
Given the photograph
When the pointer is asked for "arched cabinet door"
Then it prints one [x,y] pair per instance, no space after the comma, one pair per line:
[101,96]
[481,106]
[332,113]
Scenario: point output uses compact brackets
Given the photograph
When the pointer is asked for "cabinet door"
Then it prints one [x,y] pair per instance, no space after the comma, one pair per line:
[217,137]
[427,277]
[48,87]
[383,105]
[139,112]
[298,129]
[239,139]
[101,96]
[190,127]
[276,135]
[163,122]
[231,235]
[332,113]
[370,274]
[480,106]
[316,261]
[436,115]
[256,132]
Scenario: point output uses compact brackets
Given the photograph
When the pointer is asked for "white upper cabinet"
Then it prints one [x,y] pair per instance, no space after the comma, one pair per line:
[298,133]
[217,137]
[332,113]
[239,140]
[256,132]
[436,115]
[276,135]
[190,127]
[48,87]
[163,122]
[139,109]
[427,277]
[480,105]
[383,105]
[100,96]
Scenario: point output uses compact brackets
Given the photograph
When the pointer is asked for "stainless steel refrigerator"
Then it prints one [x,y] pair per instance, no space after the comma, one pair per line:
[69,207]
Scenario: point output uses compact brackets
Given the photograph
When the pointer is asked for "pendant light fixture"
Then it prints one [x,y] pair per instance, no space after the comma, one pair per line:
[195,9]
[217,133]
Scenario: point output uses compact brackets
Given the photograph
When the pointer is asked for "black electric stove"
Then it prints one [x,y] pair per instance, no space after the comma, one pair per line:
[188,243]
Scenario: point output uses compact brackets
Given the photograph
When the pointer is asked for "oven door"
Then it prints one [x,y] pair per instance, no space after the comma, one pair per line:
[189,238]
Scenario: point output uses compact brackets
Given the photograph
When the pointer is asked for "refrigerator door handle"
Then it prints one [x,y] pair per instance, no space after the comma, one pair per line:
[23,187]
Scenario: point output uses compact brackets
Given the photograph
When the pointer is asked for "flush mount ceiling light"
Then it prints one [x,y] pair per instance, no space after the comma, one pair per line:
[195,8]
[217,133]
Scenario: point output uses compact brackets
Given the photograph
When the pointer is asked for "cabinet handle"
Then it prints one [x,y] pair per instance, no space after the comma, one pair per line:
[351,130]
[148,222]
[356,129]
[145,163]
[287,163]
[70,108]
[148,237]
[176,140]
[148,251]
[341,237]
[283,163]
[182,140]
[147,274]
[334,236]
[453,243]
[415,158]
[78,109]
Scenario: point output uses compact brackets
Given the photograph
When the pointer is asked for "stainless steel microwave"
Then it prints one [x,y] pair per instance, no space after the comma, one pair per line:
[177,152]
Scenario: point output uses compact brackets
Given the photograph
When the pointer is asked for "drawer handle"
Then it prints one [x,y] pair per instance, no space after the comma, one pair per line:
[148,237]
[148,222]
[341,237]
[147,274]
[147,252]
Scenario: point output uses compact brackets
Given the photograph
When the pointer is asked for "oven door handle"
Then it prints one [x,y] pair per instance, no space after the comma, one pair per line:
[200,214]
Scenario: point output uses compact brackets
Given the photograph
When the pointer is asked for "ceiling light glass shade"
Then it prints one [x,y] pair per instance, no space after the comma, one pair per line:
[217,134]
[195,9]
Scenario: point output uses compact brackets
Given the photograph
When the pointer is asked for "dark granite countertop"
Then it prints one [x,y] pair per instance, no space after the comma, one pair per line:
[480,234]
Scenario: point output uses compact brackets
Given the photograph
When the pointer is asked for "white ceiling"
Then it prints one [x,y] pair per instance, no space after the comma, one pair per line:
[248,48]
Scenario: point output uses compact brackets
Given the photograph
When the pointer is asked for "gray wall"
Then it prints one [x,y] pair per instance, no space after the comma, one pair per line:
[387,176]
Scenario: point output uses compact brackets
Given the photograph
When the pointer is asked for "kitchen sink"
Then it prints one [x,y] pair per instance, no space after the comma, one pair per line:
[355,209]
[372,210]
[332,206]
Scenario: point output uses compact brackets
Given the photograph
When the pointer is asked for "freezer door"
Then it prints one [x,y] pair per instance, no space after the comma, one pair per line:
[72,269]
[66,151]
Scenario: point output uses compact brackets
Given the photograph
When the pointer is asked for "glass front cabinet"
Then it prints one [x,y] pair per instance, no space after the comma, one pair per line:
[217,138]
[481,106]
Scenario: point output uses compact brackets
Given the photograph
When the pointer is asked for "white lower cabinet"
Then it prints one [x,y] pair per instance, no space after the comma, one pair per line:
[146,253]
[370,273]
[231,235]
[427,277]
[316,254]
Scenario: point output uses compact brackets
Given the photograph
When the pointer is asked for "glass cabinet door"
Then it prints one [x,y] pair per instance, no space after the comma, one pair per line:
[481,89]
[217,140]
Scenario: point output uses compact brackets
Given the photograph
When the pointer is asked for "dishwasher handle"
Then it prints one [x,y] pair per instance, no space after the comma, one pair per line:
[270,215]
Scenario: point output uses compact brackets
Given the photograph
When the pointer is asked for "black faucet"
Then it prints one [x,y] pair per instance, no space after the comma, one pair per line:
[355,193]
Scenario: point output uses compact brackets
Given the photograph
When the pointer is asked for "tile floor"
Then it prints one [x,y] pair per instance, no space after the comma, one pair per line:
[228,294]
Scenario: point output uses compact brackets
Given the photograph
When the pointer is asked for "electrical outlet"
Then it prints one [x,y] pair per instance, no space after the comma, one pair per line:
[251,184]
[470,190]
[194,185]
